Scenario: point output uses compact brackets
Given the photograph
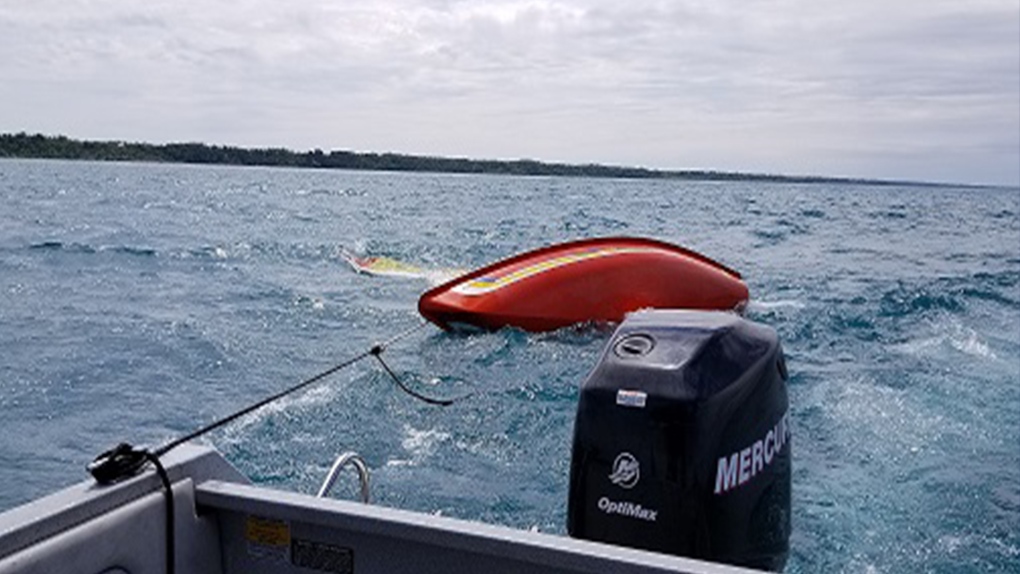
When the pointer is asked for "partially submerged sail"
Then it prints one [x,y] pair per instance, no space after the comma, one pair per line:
[390,267]
[591,280]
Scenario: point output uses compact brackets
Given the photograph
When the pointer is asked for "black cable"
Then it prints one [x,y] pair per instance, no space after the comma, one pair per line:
[377,353]
[169,492]
[217,424]
[124,460]
[375,350]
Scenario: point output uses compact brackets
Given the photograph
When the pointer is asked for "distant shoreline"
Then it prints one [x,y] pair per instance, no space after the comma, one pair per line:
[39,146]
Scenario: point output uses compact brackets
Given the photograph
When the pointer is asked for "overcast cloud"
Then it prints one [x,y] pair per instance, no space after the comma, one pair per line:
[905,89]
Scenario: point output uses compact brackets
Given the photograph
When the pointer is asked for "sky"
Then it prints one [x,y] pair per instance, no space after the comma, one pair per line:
[925,90]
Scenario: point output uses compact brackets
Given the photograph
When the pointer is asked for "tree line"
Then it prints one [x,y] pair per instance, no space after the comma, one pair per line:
[23,145]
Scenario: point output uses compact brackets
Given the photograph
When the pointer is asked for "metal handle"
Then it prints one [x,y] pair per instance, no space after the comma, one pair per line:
[342,461]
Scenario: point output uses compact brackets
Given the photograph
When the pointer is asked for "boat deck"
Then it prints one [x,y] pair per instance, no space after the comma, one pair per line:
[225,525]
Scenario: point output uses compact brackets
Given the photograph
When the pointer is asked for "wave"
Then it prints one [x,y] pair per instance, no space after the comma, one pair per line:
[953,335]
[129,250]
[315,396]
[952,294]
[763,306]
[82,248]
[419,445]
[904,300]
[332,192]
[813,213]
[256,250]
[209,252]
[61,246]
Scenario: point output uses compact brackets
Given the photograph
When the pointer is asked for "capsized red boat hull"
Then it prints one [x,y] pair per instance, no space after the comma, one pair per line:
[592,280]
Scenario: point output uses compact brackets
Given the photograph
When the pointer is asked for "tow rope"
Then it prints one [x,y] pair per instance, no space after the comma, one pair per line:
[125,460]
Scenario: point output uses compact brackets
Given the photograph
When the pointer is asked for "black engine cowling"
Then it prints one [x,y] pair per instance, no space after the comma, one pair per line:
[682,441]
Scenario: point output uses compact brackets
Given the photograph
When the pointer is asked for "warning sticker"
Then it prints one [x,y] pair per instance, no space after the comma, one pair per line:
[323,557]
[268,538]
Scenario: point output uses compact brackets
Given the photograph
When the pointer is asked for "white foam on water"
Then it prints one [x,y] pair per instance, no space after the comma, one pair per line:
[970,343]
[951,334]
[315,302]
[772,305]
[315,396]
[953,544]
[882,421]
[419,444]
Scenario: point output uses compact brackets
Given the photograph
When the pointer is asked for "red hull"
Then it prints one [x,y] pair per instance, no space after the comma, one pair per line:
[592,280]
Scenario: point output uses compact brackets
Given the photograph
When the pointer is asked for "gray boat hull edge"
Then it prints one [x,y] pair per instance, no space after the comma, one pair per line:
[225,525]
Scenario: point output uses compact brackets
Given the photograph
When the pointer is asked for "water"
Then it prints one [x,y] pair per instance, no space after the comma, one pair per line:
[138,302]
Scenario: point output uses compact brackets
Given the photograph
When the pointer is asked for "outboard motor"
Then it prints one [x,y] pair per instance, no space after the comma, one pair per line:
[682,441]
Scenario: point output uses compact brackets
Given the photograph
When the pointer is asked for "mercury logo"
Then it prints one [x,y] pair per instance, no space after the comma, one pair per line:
[741,466]
[626,471]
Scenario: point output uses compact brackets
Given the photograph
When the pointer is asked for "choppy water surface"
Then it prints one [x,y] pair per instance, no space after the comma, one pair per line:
[138,302]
